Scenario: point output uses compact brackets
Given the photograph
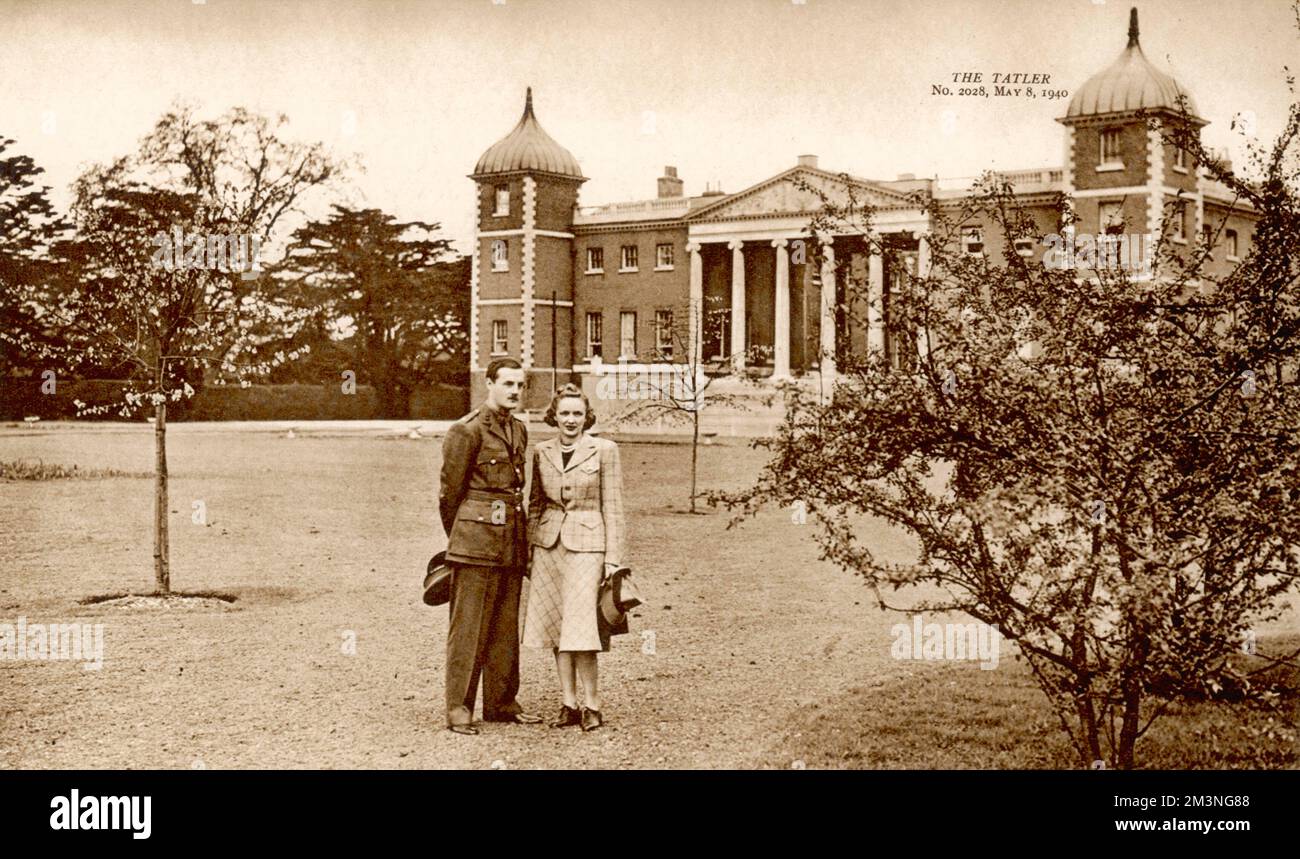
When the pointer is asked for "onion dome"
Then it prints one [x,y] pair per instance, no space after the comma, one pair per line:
[1131,83]
[528,148]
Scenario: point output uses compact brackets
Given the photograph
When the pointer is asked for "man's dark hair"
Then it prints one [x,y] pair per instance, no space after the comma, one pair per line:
[499,364]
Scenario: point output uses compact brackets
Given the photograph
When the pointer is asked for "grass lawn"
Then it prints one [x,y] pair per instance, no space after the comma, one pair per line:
[750,652]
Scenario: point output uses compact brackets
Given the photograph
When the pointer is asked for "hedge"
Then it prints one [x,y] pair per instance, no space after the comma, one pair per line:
[20,398]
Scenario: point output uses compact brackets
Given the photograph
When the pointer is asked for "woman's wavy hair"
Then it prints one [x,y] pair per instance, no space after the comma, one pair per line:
[570,390]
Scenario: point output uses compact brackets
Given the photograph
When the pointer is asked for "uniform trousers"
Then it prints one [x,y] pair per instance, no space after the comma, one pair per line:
[483,639]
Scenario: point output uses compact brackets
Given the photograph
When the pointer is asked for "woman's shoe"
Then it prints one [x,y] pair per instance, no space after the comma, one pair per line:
[568,716]
[591,719]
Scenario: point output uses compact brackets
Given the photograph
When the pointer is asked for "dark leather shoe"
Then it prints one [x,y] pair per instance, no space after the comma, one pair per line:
[591,719]
[463,729]
[568,716]
[516,719]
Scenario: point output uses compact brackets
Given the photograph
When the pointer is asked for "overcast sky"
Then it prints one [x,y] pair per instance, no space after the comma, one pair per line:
[729,91]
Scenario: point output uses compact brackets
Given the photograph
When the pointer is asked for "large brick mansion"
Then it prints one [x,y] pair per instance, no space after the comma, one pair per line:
[567,288]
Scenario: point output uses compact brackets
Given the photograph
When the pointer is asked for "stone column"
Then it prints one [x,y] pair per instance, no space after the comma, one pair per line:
[827,359]
[923,343]
[781,359]
[695,313]
[875,296]
[737,304]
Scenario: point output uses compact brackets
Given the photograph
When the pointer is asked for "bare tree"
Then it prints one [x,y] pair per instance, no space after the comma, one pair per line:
[677,385]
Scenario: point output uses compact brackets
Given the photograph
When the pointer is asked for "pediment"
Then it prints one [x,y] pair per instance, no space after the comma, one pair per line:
[793,192]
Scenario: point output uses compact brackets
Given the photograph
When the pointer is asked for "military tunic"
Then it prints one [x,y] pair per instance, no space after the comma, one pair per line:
[481,500]
[481,505]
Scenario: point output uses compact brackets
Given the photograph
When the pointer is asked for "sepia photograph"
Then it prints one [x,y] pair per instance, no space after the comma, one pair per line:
[750,385]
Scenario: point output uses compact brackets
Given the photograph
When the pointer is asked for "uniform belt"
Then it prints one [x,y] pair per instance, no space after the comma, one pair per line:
[491,494]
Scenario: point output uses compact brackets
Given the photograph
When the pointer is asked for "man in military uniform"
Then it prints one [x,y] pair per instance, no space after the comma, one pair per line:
[481,502]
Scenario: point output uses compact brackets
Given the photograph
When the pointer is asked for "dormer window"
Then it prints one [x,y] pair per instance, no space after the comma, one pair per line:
[1109,148]
[502,201]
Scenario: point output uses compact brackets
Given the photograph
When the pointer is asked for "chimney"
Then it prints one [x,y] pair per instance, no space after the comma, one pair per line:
[808,161]
[669,184]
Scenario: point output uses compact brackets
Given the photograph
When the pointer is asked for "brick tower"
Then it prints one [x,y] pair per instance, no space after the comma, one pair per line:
[522,262]
[1123,177]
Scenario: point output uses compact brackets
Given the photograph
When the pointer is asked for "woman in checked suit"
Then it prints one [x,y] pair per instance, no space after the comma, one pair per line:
[575,529]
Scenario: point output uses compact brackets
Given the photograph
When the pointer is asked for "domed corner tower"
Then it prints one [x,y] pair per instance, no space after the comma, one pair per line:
[1120,174]
[522,263]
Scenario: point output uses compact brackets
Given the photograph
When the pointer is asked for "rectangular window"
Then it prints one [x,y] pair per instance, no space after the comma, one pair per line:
[1207,236]
[502,200]
[627,261]
[663,257]
[664,334]
[627,334]
[500,255]
[595,260]
[1024,247]
[594,335]
[1230,239]
[972,241]
[1110,146]
[500,340]
[1179,217]
[1180,159]
[1110,219]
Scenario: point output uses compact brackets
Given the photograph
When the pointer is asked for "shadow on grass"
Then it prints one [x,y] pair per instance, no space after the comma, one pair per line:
[174,595]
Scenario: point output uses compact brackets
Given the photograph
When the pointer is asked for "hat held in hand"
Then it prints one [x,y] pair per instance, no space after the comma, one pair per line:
[618,595]
[437,580]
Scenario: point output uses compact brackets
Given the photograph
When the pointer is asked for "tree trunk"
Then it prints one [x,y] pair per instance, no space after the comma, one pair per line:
[695,449]
[1090,749]
[1128,733]
[394,397]
[1089,729]
[402,402]
[161,562]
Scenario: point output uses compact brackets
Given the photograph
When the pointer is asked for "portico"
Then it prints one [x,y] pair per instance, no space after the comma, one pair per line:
[758,293]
